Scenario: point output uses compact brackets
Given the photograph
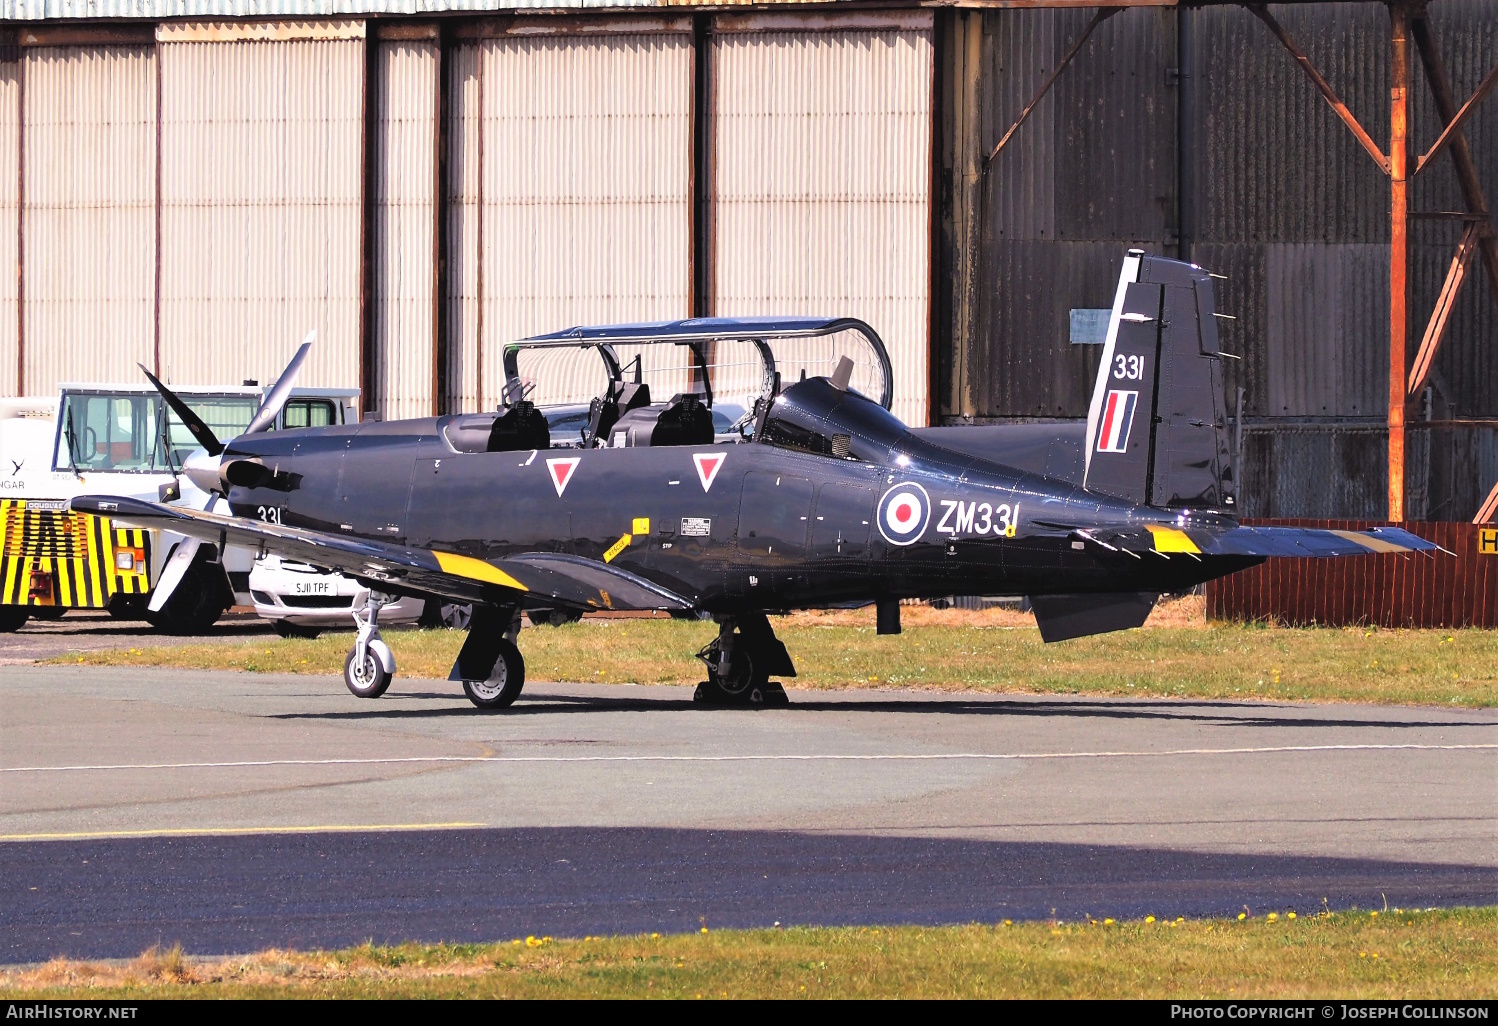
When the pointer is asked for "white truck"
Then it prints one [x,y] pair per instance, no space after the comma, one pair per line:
[121,440]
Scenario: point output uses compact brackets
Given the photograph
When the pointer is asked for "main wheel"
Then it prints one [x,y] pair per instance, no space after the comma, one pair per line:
[12,618]
[504,683]
[369,679]
[744,685]
[200,599]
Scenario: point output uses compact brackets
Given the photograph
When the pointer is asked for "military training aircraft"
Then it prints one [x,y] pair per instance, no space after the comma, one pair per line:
[820,497]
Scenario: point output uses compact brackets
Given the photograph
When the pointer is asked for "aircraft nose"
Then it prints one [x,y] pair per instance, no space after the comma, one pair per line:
[203,470]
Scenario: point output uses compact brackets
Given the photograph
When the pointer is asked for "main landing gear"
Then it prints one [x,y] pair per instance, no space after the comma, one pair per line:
[740,662]
[489,665]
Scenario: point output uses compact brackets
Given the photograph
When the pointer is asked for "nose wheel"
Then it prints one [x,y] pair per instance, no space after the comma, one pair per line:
[370,665]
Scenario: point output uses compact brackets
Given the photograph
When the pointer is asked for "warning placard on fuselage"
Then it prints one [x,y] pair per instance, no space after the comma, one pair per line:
[696,527]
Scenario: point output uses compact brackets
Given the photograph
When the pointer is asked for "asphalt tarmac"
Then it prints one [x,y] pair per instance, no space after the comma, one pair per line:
[232,812]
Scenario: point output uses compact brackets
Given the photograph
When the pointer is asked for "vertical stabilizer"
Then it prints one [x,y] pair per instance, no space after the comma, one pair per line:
[1157,426]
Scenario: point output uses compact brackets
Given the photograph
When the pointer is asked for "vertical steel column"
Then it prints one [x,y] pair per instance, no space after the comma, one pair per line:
[439,224]
[1399,18]
[969,186]
[1185,134]
[368,135]
[701,213]
[933,224]
[20,221]
[156,300]
[478,336]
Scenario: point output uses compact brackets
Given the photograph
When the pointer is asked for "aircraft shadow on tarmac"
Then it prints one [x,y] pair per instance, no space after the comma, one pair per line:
[223,895]
[1236,714]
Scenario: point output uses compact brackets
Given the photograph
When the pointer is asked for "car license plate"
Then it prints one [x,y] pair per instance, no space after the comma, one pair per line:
[314,588]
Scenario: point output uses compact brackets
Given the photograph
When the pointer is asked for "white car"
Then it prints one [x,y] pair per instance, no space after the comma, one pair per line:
[302,601]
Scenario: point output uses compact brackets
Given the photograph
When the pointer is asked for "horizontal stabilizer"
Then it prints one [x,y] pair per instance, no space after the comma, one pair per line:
[1291,542]
[1063,617]
[1315,541]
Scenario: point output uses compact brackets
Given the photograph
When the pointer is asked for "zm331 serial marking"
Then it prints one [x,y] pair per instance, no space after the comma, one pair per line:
[817,496]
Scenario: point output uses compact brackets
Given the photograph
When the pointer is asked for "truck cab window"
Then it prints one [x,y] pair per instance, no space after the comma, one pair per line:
[303,413]
[111,432]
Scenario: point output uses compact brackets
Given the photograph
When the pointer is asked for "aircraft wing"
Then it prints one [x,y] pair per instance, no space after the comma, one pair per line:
[1259,541]
[534,580]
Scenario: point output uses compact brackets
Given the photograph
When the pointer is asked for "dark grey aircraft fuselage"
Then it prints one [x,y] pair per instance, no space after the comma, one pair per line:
[730,527]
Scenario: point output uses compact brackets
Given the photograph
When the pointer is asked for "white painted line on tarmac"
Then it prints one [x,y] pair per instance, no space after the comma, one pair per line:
[878,757]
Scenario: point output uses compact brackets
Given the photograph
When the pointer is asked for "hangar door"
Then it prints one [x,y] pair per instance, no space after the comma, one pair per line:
[404,93]
[261,131]
[570,177]
[88,232]
[822,177]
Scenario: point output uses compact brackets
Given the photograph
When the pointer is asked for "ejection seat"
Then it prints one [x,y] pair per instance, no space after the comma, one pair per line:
[606,409]
[519,428]
[685,420]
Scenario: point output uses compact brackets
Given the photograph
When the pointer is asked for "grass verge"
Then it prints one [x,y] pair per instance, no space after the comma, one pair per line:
[996,651]
[1446,954]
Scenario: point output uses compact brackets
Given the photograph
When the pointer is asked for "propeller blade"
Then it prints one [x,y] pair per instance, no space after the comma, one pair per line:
[202,432]
[276,398]
[171,575]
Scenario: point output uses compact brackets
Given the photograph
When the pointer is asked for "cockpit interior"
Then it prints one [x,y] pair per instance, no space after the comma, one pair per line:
[814,384]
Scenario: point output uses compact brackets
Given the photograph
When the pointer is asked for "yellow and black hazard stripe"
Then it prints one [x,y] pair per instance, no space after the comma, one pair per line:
[56,557]
[138,543]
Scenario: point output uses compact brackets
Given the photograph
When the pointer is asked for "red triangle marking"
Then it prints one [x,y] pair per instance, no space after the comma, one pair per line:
[708,465]
[561,472]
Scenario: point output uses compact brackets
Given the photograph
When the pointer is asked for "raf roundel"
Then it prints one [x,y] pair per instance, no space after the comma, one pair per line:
[903,514]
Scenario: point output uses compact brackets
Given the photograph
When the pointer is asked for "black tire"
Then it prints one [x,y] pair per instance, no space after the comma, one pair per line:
[127,607]
[504,683]
[13,618]
[552,617]
[294,630]
[200,599]
[372,681]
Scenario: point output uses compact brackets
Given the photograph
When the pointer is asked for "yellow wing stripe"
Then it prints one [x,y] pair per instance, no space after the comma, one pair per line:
[1168,539]
[1371,543]
[476,570]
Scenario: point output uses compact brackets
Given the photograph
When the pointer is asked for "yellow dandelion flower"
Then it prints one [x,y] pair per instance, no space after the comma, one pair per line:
[1290,915]
[1149,919]
[1242,916]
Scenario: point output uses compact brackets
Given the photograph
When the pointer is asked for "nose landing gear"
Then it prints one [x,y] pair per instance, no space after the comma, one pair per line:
[370,665]
[740,662]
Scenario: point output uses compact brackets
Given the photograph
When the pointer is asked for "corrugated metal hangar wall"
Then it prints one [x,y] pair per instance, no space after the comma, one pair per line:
[198,195]
[1278,196]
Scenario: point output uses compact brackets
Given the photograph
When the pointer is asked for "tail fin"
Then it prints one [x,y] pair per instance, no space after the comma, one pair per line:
[1157,426]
